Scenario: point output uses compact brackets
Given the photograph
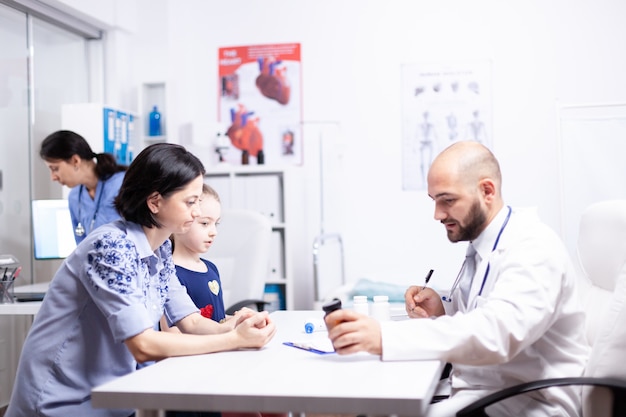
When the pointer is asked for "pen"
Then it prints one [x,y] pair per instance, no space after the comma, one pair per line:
[307,347]
[430,274]
[16,273]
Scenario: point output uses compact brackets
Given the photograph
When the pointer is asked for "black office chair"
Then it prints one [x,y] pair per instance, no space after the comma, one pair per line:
[617,388]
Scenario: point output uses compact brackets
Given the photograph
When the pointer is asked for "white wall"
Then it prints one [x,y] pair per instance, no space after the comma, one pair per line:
[543,54]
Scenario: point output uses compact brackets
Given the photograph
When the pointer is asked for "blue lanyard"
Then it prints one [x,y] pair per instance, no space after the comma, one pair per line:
[495,245]
[80,206]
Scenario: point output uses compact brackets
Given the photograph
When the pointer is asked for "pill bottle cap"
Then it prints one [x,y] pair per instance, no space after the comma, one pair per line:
[360,298]
[381,298]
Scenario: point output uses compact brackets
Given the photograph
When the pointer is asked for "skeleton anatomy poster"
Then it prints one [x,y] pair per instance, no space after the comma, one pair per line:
[441,104]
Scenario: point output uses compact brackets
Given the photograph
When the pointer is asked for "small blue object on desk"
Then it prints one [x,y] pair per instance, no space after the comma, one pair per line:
[314,325]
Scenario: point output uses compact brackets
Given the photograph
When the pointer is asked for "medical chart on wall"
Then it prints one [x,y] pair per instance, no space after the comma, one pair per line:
[260,104]
[592,149]
[442,104]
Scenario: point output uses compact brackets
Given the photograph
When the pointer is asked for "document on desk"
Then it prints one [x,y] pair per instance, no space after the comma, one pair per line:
[321,346]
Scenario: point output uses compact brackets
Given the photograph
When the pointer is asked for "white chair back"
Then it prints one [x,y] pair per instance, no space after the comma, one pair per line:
[241,253]
[602,256]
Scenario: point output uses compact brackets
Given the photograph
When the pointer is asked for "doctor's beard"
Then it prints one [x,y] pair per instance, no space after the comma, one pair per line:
[472,225]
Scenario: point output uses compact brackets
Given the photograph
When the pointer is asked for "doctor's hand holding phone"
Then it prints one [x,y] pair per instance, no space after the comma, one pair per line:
[350,331]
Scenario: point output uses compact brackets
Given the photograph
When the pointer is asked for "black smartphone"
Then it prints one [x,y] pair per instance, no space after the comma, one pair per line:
[332,305]
[329,307]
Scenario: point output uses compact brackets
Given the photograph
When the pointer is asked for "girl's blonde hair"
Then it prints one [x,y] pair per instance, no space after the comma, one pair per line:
[210,191]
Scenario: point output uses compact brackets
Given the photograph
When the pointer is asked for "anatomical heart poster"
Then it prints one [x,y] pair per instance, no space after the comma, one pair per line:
[260,104]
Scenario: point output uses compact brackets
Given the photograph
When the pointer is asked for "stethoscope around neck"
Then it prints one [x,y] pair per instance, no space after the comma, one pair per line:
[448,298]
[80,230]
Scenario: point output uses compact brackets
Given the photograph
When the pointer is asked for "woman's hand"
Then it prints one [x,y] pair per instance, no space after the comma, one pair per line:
[256,330]
[239,316]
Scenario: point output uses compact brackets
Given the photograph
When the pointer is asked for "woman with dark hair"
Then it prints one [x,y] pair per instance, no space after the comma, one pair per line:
[95,179]
[99,318]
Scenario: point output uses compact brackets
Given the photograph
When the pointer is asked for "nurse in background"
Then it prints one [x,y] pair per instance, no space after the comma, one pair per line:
[95,179]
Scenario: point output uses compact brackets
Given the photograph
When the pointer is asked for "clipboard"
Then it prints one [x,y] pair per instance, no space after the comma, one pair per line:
[319,347]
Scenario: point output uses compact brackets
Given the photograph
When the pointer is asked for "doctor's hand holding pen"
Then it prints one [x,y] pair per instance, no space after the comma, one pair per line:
[422,301]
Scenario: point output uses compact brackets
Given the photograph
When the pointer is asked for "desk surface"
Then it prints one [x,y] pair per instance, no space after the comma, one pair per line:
[277,378]
[27,308]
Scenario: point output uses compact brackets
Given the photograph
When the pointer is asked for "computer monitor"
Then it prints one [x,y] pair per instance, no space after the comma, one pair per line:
[52,229]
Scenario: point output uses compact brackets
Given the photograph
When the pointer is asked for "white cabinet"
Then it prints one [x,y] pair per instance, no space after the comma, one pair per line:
[263,189]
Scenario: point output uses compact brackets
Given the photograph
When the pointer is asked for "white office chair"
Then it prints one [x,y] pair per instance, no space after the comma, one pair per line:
[602,255]
[241,253]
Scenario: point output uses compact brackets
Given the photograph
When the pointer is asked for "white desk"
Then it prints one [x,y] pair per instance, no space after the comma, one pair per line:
[26,308]
[277,378]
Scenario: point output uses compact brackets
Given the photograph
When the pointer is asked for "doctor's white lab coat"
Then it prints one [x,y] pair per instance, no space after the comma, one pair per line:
[526,324]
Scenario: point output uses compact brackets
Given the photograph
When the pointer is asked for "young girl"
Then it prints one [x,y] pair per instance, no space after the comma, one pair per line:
[201,278]
[100,315]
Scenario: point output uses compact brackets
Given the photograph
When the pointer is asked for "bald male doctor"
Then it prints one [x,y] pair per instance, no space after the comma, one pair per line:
[513,314]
